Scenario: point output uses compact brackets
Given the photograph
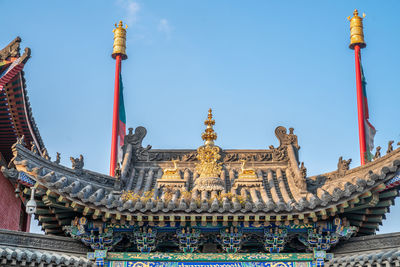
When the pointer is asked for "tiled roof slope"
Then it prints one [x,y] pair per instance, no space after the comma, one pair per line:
[278,191]
[27,249]
[374,250]
[16,117]
[32,257]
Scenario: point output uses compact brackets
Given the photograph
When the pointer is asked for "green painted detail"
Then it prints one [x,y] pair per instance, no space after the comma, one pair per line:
[208,257]
[210,264]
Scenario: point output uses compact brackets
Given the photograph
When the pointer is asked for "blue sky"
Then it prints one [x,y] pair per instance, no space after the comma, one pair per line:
[258,64]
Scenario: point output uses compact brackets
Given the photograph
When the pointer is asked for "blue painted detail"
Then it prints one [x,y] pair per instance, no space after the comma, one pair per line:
[24,179]
[394,181]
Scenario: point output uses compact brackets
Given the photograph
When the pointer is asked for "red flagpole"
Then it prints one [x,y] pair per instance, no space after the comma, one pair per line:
[118,54]
[360,106]
[357,42]
[114,138]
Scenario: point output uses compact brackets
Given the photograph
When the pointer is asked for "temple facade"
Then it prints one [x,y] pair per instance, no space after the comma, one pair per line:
[210,206]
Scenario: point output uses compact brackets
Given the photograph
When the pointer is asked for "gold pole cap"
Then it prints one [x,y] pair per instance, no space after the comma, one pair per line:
[119,45]
[209,135]
[356,30]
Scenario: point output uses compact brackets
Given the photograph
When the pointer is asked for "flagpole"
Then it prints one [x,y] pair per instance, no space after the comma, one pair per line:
[357,42]
[360,106]
[118,54]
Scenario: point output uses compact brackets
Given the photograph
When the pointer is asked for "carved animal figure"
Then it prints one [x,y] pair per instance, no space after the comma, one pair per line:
[45,154]
[303,170]
[58,158]
[21,140]
[172,170]
[77,164]
[245,170]
[377,153]
[343,166]
[34,148]
[390,146]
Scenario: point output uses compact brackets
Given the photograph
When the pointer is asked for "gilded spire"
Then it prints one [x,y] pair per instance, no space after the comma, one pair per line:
[209,135]
[119,46]
[356,30]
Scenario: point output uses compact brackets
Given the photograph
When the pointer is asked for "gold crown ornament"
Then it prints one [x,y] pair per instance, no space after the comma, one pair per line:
[119,45]
[356,30]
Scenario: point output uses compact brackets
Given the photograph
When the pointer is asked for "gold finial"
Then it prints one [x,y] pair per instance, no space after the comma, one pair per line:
[356,30]
[119,46]
[209,135]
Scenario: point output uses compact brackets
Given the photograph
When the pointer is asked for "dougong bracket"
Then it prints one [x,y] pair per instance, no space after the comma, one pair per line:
[231,239]
[188,239]
[275,239]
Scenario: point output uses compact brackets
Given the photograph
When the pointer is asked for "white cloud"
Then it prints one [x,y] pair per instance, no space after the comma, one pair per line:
[165,27]
[132,9]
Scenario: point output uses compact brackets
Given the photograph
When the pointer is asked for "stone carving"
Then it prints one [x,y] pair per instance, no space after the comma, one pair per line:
[377,153]
[77,164]
[43,242]
[286,139]
[303,171]
[34,148]
[279,154]
[343,166]
[58,158]
[135,139]
[11,173]
[11,50]
[21,140]
[390,146]
[189,157]
[45,154]
[117,172]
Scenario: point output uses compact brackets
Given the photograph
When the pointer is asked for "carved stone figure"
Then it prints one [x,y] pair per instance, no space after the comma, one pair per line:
[21,140]
[279,154]
[77,164]
[45,154]
[117,172]
[135,139]
[377,153]
[34,148]
[286,139]
[303,170]
[343,166]
[390,146]
[58,158]
[11,50]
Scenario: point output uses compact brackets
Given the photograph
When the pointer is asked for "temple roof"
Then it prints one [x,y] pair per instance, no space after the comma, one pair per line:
[16,117]
[269,185]
[27,249]
[368,251]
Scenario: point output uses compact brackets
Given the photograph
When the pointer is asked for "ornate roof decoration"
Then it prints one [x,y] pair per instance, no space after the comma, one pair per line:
[16,112]
[209,135]
[279,192]
[209,166]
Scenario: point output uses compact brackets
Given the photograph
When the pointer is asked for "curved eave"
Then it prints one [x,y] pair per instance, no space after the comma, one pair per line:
[16,117]
[64,193]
